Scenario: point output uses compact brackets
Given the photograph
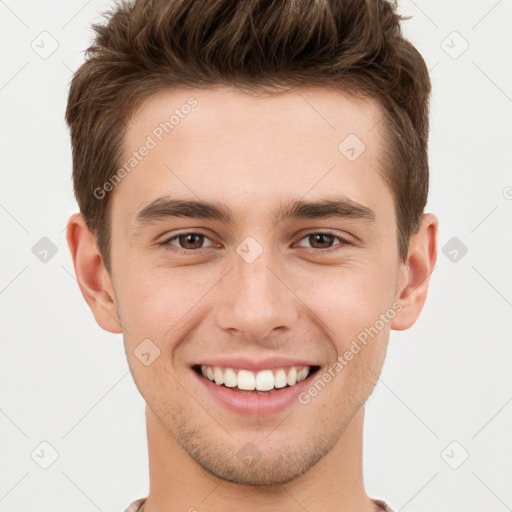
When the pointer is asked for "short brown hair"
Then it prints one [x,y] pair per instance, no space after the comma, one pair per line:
[148,46]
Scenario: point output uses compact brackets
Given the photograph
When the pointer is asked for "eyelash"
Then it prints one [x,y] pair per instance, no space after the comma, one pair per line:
[167,243]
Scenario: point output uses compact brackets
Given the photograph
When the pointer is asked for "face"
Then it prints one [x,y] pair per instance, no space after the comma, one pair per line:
[255,277]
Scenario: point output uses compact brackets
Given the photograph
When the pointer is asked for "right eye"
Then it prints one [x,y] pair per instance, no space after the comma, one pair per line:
[186,242]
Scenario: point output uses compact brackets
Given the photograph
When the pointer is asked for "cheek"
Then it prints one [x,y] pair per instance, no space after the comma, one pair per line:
[158,303]
[349,299]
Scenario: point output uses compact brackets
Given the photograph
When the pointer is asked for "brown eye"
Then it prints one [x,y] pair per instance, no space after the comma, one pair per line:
[321,240]
[187,242]
[191,241]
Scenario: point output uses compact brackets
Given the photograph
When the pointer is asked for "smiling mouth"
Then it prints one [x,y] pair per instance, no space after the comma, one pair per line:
[262,383]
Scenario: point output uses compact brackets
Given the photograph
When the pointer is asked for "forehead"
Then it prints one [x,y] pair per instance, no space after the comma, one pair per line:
[222,111]
[252,151]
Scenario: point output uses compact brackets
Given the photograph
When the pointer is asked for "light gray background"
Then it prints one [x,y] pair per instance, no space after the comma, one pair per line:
[66,382]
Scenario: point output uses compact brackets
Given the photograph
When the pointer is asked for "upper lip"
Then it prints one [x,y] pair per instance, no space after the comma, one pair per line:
[252,364]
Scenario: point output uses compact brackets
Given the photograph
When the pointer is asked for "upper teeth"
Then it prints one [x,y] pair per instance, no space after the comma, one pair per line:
[263,380]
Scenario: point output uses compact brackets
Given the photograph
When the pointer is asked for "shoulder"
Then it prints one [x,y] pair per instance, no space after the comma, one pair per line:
[136,506]
[382,505]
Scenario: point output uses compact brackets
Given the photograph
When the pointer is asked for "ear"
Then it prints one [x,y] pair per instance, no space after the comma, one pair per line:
[421,260]
[92,277]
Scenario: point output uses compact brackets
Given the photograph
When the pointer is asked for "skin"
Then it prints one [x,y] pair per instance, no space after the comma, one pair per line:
[255,154]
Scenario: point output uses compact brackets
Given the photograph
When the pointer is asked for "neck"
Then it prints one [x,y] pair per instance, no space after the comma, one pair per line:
[333,484]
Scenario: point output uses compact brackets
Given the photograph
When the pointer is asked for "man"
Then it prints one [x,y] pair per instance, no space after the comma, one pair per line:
[252,178]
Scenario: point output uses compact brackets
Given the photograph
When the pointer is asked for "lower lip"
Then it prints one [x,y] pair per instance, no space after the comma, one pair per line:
[254,404]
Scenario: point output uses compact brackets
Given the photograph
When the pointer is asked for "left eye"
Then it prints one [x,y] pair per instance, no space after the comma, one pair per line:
[325,240]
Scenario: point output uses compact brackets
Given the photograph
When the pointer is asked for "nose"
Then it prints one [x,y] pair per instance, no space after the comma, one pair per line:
[256,298]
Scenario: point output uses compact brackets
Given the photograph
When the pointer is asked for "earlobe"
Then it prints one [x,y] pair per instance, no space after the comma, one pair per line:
[421,261]
[91,275]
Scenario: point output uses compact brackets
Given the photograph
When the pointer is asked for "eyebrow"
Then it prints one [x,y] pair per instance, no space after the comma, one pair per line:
[167,208]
